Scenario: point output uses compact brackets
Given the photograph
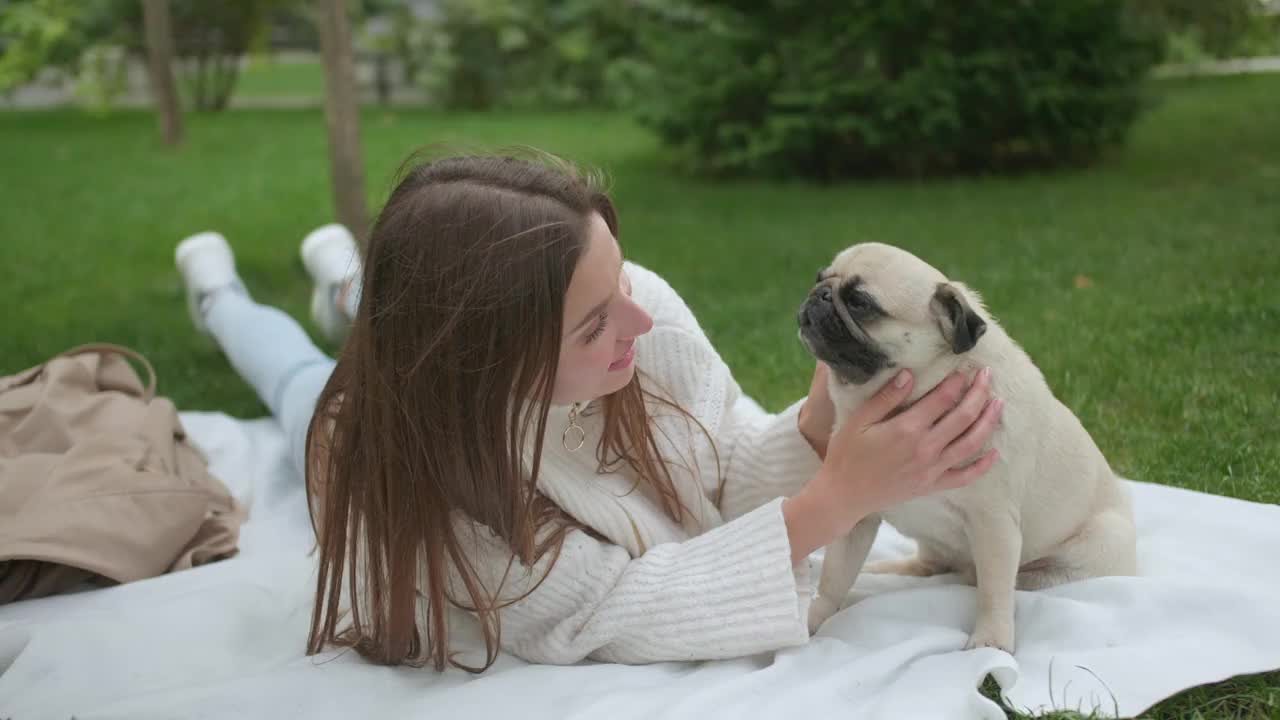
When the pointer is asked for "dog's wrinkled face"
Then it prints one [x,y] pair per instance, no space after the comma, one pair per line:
[878,307]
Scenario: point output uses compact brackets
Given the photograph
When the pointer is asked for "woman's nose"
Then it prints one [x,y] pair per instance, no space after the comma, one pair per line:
[638,320]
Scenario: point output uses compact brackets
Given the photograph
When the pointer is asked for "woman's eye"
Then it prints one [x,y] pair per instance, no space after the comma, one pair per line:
[600,326]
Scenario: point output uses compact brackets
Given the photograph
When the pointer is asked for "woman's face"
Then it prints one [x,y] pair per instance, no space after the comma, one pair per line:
[601,323]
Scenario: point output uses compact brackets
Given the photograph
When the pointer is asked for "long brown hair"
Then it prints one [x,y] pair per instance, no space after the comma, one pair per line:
[446,375]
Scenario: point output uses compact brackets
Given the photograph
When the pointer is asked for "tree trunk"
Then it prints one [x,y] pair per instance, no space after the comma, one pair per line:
[226,73]
[159,32]
[202,70]
[382,77]
[341,109]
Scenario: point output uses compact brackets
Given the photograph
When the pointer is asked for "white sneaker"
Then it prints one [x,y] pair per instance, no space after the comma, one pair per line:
[207,265]
[332,259]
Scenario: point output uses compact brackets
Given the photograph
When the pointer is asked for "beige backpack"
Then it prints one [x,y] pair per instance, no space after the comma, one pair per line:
[98,482]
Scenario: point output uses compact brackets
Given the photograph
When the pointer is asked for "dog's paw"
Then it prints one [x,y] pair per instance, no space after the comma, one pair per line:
[992,635]
[819,611]
[909,567]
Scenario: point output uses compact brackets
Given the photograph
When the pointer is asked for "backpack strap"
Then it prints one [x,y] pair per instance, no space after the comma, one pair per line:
[112,348]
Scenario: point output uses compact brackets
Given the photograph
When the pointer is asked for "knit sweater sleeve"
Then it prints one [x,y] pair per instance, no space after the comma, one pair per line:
[762,455]
[729,592]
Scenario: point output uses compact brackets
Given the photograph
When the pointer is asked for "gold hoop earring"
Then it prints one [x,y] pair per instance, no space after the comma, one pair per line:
[574,436]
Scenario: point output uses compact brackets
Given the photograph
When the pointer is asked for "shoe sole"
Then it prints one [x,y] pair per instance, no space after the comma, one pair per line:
[324,312]
[184,250]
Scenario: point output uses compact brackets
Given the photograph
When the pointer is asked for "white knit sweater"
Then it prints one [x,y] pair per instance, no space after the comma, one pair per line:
[719,585]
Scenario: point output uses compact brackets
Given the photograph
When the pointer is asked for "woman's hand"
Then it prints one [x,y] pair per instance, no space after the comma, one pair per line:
[818,414]
[876,462]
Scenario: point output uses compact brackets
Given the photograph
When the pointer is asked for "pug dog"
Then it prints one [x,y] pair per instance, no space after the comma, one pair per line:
[1049,511]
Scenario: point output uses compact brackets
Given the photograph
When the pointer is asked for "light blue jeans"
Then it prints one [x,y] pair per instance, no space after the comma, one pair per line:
[275,356]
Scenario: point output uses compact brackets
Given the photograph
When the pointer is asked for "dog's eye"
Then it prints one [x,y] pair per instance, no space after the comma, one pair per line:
[857,300]
[853,298]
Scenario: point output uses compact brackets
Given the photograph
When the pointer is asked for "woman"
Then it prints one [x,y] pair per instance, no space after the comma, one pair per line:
[523,425]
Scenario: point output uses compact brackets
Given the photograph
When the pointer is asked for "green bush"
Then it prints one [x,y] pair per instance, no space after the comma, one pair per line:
[488,54]
[834,88]
[92,39]
[1198,30]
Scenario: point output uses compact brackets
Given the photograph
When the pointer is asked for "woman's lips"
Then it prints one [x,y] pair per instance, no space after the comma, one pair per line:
[626,358]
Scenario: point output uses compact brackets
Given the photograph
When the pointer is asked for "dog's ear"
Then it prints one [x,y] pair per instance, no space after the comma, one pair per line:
[960,325]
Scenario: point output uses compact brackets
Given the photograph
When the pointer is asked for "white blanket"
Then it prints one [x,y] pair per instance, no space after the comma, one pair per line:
[227,640]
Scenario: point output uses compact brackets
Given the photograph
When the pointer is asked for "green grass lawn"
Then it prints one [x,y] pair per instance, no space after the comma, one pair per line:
[266,77]
[1170,354]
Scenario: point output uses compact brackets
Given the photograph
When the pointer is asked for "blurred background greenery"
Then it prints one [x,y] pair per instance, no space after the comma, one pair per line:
[1105,172]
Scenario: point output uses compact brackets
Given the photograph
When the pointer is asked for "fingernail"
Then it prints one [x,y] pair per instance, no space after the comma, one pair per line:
[985,373]
[999,406]
[901,380]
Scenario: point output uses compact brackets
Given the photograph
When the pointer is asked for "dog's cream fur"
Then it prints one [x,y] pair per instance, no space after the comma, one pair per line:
[1049,511]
